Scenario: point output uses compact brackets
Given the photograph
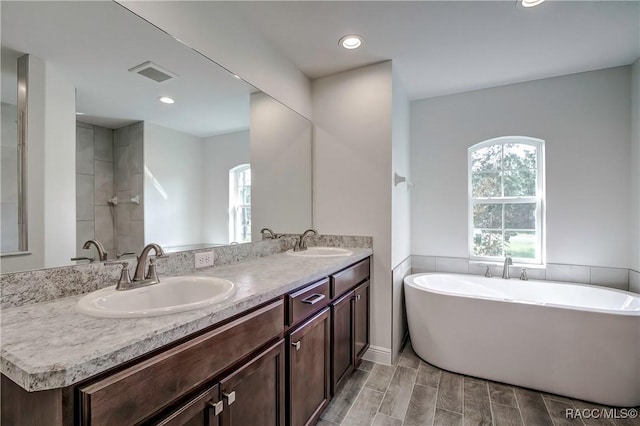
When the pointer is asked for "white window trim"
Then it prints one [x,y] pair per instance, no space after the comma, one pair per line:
[234,206]
[539,199]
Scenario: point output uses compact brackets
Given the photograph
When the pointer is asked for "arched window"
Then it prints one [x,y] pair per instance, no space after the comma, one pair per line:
[506,199]
[240,204]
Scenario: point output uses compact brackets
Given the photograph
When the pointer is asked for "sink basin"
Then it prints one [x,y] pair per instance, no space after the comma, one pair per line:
[321,252]
[170,295]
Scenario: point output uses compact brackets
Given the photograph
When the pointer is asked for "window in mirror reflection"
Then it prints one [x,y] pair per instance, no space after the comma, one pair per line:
[240,204]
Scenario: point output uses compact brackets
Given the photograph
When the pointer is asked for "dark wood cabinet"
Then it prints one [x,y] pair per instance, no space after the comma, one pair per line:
[341,339]
[275,365]
[143,389]
[255,393]
[309,361]
[203,410]
[361,312]
[350,314]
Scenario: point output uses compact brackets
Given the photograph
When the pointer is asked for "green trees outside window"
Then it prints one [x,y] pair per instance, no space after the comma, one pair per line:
[506,188]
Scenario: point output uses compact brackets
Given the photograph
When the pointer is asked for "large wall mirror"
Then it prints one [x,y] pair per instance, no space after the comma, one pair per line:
[108,160]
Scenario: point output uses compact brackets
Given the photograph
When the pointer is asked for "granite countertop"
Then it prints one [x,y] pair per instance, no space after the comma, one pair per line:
[52,345]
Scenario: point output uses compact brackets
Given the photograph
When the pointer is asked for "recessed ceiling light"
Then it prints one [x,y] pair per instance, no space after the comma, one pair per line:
[79,113]
[166,99]
[351,41]
[531,3]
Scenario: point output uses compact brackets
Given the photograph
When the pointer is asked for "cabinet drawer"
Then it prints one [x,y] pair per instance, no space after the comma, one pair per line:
[349,278]
[204,409]
[133,394]
[310,299]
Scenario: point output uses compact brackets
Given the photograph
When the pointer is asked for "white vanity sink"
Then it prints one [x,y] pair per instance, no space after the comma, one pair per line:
[170,295]
[321,252]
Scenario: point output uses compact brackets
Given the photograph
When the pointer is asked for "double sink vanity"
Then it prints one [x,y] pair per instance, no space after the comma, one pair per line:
[263,341]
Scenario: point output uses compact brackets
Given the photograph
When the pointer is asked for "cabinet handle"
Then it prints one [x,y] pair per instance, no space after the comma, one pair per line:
[313,299]
[217,407]
[231,397]
[296,345]
[358,297]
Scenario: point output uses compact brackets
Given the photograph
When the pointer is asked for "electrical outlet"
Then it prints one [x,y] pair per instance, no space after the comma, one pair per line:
[204,259]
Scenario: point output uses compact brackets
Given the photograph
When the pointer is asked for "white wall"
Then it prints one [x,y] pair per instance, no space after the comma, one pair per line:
[352,175]
[281,168]
[173,184]
[50,171]
[59,169]
[635,166]
[218,31]
[401,231]
[401,223]
[221,153]
[584,119]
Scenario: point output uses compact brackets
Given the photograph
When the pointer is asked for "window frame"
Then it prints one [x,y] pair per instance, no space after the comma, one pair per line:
[539,199]
[234,202]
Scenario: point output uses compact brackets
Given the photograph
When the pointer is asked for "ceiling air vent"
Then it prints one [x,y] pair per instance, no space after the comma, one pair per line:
[153,71]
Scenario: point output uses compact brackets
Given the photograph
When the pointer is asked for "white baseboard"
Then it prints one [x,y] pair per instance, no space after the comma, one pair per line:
[378,354]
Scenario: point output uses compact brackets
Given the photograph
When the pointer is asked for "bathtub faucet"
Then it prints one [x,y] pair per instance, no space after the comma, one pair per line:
[505,269]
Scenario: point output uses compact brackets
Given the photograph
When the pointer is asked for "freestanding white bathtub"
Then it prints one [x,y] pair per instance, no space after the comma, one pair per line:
[581,341]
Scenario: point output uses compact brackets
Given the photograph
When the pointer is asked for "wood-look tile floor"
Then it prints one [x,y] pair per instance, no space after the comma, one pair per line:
[413,393]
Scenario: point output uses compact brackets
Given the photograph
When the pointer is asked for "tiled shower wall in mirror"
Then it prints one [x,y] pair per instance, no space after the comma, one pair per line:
[108,171]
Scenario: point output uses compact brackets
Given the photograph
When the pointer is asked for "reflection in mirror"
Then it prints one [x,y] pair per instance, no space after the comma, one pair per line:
[12,192]
[220,163]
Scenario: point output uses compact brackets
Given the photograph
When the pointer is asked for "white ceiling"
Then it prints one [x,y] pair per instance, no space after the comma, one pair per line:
[449,47]
[437,47]
[93,44]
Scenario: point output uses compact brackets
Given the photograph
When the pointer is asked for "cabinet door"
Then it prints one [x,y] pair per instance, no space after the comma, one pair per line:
[342,355]
[203,410]
[254,393]
[309,347]
[123,398]
[361,321]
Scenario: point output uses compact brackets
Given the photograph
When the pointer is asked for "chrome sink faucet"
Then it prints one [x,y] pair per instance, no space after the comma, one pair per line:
[301,244]
[505,269]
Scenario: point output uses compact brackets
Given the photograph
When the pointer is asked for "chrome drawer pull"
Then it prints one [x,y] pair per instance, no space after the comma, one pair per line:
[296,345]
[313,299]
[217,407]
[231,397]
